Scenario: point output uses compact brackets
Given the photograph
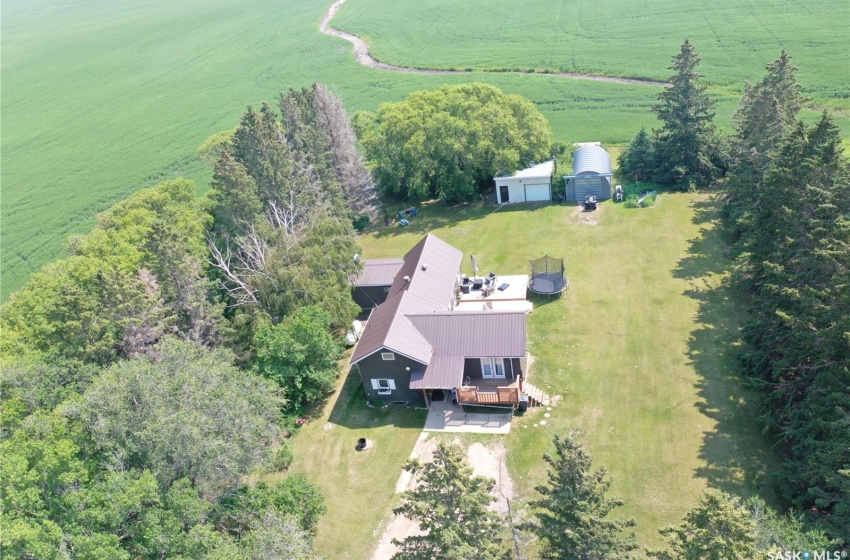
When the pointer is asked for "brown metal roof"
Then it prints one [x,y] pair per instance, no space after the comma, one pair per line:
[444,372]
[378,272]
[424,283]
[474,334]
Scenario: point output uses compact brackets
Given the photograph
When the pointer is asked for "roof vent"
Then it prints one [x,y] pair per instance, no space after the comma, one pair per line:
[424,266]
[407,278]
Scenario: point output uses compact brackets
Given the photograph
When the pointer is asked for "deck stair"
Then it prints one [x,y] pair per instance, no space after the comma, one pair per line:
[536,397]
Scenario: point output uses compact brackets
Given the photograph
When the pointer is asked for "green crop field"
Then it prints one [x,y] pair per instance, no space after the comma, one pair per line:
[617,38]
[101,98]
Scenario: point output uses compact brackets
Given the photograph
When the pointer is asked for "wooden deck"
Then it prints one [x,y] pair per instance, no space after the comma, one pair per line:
[489,391]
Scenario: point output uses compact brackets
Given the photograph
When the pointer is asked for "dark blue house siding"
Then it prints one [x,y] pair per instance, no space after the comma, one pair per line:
[375,367]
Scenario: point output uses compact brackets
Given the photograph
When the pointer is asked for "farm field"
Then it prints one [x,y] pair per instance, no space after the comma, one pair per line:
[103,98]
[617,38]
[639,350]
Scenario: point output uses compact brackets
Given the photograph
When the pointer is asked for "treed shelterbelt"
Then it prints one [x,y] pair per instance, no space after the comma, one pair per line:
[141,388]
[787,208]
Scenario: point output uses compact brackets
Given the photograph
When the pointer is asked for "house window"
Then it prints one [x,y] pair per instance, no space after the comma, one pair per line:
[386,289]
[387,356]
[383,386]
[493,368]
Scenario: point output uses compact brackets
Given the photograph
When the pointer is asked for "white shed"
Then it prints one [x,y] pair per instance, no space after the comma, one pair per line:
[528,185]
[591,173]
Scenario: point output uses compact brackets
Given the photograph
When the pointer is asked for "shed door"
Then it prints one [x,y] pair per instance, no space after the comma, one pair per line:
[588,185]
[504,195]
[536,193]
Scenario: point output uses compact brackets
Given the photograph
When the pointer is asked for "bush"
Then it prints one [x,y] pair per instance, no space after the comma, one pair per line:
[631,201]
[282,457]
[361,223]
[649,200]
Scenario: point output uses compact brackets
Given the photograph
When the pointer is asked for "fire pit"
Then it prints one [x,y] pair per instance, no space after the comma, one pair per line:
[363,444]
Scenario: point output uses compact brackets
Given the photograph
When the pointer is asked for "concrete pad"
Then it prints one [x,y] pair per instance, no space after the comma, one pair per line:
[446,417]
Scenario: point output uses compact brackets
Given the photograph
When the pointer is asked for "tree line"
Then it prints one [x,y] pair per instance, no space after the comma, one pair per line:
[151,372]
[784,192]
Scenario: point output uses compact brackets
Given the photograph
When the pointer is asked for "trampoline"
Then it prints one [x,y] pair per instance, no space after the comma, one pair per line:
[547,276]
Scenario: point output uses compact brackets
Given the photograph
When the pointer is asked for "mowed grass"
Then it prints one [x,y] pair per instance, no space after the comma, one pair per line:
[640,349]
[102,98]
[618,37]
[359,487]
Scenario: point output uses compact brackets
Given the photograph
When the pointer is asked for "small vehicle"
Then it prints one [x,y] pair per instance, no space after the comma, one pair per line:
[589,203]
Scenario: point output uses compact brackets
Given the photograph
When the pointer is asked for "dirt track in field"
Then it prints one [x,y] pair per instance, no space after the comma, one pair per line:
[361,54]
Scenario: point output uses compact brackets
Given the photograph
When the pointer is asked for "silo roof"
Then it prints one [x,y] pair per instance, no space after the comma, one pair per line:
[591,159]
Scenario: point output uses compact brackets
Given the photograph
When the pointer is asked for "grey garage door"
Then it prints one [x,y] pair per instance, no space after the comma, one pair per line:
[588,185]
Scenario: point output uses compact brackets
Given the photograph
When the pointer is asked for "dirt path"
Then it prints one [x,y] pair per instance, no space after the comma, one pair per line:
[361,54]
[485,461]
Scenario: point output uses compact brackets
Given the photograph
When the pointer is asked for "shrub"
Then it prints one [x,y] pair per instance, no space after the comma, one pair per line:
[282,458]
[361,223]
[649,200]
[631,201]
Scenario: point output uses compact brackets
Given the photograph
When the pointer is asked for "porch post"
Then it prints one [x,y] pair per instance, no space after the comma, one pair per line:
[425,396]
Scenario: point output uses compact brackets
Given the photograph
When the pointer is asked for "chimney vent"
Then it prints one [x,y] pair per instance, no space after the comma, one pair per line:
[407,278]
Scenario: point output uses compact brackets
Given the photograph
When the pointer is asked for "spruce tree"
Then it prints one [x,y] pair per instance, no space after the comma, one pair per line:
[768,110]
[683,144]
[718,528]
[452,509]
[573,508]
[637,160]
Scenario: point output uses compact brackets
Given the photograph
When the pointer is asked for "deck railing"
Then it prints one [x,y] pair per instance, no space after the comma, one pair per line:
[501,395]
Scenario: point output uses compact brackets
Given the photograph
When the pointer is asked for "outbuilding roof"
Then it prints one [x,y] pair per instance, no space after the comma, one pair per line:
[378,272]
[424,283]
[591,159]
[541,170]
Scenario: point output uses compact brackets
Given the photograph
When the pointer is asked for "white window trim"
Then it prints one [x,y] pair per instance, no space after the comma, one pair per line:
[387,356]
[387,388]
[491,362]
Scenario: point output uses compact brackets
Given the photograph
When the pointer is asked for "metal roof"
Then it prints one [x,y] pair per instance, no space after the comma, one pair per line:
[378,272]
[455,336]
[473,334]
[544,169]
[443,372]
[424,283]
[591,159]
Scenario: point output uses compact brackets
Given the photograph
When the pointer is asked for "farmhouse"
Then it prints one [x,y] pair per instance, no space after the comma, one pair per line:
[431,339]
[527,185]
[591,173]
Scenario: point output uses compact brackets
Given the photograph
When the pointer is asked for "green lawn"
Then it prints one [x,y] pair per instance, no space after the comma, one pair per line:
[359,487]
[103,97]
[621,38]
[640,348]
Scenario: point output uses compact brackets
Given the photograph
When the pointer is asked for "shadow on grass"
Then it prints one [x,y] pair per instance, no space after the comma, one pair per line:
[738,457]
[351,410]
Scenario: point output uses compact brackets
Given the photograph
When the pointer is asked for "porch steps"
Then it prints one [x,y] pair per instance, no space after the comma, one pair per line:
[536,397]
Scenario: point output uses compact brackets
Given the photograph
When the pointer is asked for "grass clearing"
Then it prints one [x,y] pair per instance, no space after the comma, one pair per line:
[359,487]
[640,347]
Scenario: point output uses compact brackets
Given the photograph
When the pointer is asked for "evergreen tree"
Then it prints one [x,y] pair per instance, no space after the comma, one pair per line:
[573,509]
[718,528]
[768,109]
[451,507]
[637,161]
[684,143]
